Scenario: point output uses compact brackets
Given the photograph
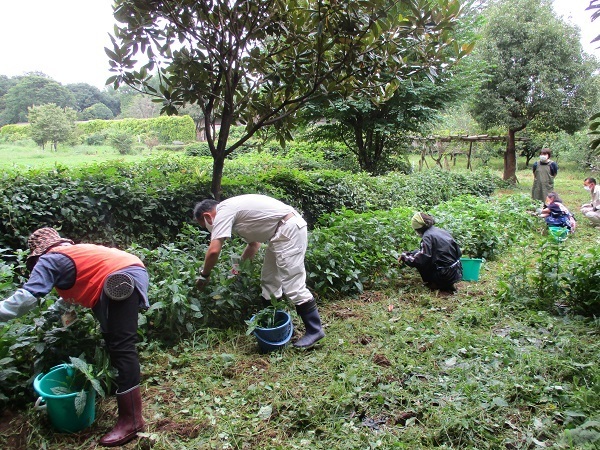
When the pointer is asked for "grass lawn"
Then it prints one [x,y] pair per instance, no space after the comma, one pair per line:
[20,157]
[401,368]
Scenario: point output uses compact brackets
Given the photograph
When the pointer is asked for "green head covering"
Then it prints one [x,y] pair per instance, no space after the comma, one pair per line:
[417,221]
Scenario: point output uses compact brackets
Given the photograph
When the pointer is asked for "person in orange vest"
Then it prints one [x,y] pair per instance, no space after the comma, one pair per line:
[114,284]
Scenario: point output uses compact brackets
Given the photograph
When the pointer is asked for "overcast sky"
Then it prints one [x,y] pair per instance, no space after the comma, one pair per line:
[65,39]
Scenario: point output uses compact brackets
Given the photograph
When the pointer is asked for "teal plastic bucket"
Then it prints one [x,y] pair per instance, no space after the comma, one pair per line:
[471,268]
[559,234]
[61,407]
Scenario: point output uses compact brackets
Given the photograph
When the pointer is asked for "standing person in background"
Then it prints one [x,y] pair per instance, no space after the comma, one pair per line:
[591,210]
[114,284]
[258,219]
[544,172]
[438,258]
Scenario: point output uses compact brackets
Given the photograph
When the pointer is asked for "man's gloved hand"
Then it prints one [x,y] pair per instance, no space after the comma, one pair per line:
[202,282]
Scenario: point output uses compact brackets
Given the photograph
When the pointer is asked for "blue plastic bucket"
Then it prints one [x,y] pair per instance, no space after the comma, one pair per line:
[61,407]
[269,346]
[278,333]
[471,267]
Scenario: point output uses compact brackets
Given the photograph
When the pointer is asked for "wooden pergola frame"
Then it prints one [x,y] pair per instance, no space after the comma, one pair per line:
[437,140]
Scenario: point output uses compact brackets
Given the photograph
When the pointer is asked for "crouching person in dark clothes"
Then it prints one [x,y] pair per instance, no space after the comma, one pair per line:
[114,284]
[438,259]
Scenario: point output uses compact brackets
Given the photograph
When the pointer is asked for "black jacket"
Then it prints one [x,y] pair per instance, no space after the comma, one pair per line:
[438,250]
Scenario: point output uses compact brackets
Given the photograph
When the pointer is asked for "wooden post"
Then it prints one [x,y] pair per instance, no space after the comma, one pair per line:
[469,166]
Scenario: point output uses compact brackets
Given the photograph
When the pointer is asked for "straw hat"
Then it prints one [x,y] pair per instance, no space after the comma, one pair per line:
[42,240]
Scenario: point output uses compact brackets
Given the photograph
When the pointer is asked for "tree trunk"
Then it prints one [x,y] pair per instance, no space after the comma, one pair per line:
[217,175]
[510,159]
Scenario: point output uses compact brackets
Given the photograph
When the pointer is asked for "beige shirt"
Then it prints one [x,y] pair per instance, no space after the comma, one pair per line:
[595,198]
[254,217]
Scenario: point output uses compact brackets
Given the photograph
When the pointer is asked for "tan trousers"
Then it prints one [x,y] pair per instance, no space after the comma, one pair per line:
[283,271]
[589,212]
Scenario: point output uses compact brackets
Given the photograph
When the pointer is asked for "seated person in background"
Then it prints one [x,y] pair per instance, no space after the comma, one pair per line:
[556,214]
[438,259]
[591,210]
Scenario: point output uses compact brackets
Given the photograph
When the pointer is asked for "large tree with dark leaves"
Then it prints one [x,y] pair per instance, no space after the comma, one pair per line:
[537,73]
[375,132]
[257,62]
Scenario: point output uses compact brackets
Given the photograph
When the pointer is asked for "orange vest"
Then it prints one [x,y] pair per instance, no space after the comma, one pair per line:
[93,263]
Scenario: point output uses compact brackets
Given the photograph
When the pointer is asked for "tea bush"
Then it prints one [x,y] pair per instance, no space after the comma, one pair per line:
[348,251]
[177,307]
[112,204]
[36,342]
[147,203]
[580,276]
[485,227]
[559,276]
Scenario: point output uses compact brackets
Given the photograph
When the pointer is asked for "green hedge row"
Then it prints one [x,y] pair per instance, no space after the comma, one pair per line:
[148,203]
[14,132]
[166,128]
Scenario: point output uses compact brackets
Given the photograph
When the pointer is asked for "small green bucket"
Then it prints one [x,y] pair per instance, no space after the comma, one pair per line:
[61,407]
[471,267]
[559,234]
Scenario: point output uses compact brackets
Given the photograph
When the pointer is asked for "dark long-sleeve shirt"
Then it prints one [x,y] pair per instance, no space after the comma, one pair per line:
[438,250]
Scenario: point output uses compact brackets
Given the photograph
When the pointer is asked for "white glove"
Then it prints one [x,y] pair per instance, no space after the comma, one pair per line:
[17,304]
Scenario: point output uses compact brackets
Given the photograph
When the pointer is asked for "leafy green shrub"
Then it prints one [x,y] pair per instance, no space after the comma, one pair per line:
[14,132]
[123,142]
[111,203]
[236,132]
[559,276]
[96,111]
[36,342]
[484,227]
[348,250]
[118,203]
[580,277]
[177,308]
[167,128]
[96,138]
[197,149]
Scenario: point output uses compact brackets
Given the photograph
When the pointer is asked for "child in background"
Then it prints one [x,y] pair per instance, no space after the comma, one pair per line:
[556,214]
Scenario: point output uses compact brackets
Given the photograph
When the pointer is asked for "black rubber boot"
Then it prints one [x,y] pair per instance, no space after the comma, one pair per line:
[312,322]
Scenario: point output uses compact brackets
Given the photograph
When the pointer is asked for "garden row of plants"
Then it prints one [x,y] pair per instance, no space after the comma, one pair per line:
[560,278]
[147,203]
[348,252]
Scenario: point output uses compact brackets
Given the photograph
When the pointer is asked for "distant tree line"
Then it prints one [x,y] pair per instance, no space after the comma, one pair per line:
[19,93]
